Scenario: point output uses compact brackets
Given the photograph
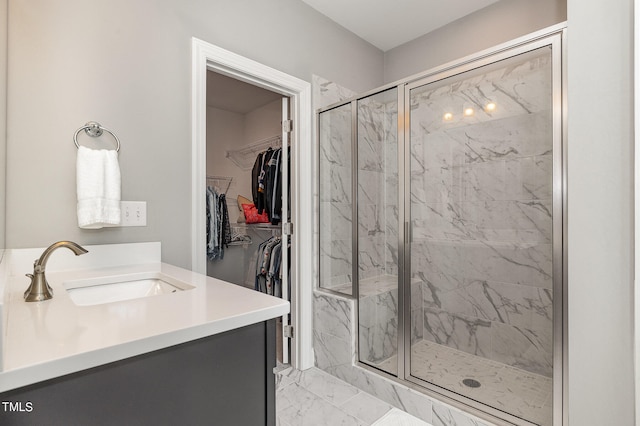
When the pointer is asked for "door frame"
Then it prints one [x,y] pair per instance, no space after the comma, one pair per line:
[206,56]
[556,40]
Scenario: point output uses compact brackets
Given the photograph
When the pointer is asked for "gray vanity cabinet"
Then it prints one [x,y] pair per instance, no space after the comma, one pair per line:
[224,379]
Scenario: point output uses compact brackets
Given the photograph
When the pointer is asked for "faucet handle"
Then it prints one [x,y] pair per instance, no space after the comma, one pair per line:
[37,267]
[30,285]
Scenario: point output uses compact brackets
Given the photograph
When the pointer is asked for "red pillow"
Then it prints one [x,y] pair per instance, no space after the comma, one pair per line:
[252,216]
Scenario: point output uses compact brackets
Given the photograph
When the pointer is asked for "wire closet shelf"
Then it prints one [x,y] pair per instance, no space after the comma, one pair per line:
[245,157]
[220,182]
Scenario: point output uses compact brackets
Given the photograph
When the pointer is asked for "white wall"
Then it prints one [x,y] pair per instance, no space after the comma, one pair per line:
[600,212]
[263,122]
[225,131]
[3,116]
[127,65]
[499,23]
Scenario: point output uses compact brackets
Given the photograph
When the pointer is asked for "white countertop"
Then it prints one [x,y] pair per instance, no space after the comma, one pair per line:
[48,339]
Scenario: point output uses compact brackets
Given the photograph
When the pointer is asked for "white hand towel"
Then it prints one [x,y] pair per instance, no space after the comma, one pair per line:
[98,187]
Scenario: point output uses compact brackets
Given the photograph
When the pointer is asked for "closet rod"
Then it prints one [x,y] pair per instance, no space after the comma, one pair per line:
[257,146]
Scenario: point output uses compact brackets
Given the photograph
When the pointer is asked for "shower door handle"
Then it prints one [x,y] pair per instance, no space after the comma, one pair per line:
[408,232]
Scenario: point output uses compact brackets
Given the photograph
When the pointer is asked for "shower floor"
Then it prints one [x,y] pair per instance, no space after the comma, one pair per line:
[515,391]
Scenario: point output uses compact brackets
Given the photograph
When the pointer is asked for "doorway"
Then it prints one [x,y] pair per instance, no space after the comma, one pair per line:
[207,57]
[248,190]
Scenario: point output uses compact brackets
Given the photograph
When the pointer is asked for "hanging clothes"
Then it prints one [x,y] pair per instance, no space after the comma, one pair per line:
[212,235]
[258,176]
[264,283]
[218,227]
[273,280]
[267,183]
[272,181]
[268,267]
[225,226]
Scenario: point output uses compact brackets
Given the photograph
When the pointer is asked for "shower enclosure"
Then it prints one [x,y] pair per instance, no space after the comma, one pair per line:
[441,213]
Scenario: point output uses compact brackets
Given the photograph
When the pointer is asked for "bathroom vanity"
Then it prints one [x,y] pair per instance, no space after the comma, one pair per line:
[203,353]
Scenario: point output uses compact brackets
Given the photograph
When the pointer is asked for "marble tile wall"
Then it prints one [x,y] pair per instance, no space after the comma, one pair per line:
[481,203]
[481,255]
[326,92]
[391,194]
[378,228]
[378,320]
[335,197]
[377,185]
[334,265]
[316,398]
[334,331]
[334,349]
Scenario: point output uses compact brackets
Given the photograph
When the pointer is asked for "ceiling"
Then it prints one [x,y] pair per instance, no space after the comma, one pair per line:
[387,24]
[234,95]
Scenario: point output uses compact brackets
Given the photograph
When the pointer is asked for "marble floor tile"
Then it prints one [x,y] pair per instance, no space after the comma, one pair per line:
[515,391]
[313,397]
[324,385]
[397,417]
[297,406]
[366,407]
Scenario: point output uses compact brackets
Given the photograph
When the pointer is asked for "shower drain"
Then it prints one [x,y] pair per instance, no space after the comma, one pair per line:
[471,383]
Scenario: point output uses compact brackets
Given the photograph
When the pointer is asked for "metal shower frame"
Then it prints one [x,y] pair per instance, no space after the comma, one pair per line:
[555,38]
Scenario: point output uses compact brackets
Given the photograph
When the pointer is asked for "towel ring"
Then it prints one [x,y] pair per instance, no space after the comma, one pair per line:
[94,130]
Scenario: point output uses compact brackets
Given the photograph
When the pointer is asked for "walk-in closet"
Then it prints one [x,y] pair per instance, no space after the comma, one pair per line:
[248,190]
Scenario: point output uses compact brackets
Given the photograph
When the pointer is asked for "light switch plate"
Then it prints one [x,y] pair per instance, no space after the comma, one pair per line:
[133,213]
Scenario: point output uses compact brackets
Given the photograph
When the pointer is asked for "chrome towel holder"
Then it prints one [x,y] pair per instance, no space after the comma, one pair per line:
[94,129]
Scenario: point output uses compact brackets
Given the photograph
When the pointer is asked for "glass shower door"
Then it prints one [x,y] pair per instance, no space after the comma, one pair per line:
[377,214]
[481,209]
[336,204]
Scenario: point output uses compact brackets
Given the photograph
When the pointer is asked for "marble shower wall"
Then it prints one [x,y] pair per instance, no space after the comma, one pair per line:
[335,199]
[377,188]
[481,207]
[377,168]
[378,228]
[334,329]
[335,352]
[378,185]
[325,93]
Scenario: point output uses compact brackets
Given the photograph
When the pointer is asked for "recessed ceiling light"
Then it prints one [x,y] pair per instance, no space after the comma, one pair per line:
[490,107]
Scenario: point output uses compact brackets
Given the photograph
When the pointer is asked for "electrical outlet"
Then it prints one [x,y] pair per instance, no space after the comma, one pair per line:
[133,213]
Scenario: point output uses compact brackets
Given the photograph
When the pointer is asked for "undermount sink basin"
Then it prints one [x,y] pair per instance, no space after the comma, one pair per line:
[97,291]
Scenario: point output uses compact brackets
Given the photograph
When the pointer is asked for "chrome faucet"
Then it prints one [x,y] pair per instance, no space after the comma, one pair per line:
[39,289]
